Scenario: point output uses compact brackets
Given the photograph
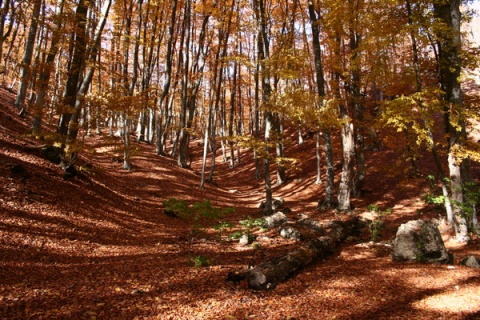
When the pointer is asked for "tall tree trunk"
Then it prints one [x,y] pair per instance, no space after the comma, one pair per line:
[279,150]
[7,11]
[320,80]
[263,44]
[330,186]
[448,12]
[356,101]
[46,71]
[433,146]
[345,187]
[223,37]
[163,109]
[87,79]
[25,71]
[74,72]
[318,157]
[191,86]
[231,117]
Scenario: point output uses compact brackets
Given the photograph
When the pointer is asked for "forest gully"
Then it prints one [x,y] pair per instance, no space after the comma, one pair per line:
[232,159]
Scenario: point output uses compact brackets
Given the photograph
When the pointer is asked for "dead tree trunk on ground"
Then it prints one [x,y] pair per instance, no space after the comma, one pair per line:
[269,274]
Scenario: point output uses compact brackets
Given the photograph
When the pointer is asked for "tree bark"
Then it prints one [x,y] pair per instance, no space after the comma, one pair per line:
[160,131]
[27,58]
[76,66]
[46,71]
[320,80]
[268,274]
[433,145]
[263,45]
[448,12]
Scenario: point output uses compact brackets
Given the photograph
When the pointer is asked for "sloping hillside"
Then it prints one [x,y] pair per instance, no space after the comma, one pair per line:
[99,245]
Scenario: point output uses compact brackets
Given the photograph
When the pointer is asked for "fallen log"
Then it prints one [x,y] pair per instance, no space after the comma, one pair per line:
[268,274]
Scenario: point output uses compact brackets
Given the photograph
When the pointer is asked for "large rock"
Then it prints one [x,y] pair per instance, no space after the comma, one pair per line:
[288,232]
[471,261]
[419,240]
[275,220]
[278,204]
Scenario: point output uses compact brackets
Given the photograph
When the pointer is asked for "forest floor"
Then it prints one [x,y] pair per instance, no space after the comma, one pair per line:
[99,246]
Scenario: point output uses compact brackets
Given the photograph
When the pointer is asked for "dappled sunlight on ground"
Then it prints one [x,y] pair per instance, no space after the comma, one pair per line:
[99,245]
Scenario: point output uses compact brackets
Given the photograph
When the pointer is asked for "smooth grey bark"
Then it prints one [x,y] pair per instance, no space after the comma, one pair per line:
[25,71]
[320,81]
[46,71]
[318,158]
[163,105]
[279,149]
[345,186]
[330,171]
[76,65]
[190,86]
[148,65]
[231,117]
[351,138]
[127,121]
[263,47]
[433,147]
[7,58]
[356,105]
[218,70]
[448,12]
[87,79]
[7,11]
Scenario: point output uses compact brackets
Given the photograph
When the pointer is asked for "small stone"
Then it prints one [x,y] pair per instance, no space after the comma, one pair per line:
[244,240]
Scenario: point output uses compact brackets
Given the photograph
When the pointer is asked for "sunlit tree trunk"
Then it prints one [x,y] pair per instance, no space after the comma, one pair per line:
[192,79]
[87,79]
[233,93]
[346,186]
[320,81]
[263,45]
[8,64]
[163,104]
[448,12]
[25,71]
[432,143]
[7,11]
[219,68]
[74,73]
[279,149]
[46,71]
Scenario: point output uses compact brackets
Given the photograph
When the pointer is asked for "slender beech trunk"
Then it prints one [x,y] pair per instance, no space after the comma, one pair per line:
[191,86]
[46,71]
[25,71]
[433,146]
[87,79]
[448,12]
[279,149]
[347,130]
[263,47]
[74,73]
[6,10]
[231,117]
[162,101]
[329,188]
